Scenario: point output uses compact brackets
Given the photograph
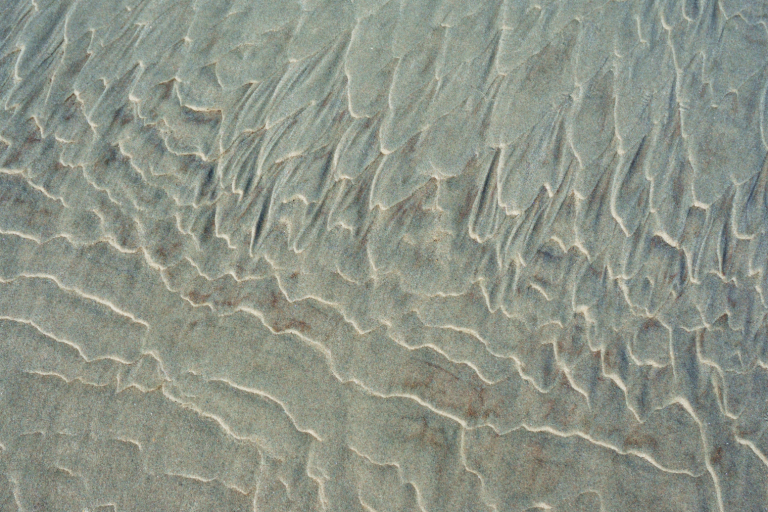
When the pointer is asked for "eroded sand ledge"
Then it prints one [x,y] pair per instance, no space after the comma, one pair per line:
[383,256]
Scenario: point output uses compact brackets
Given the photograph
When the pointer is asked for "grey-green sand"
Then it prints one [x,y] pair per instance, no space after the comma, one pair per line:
[379,256]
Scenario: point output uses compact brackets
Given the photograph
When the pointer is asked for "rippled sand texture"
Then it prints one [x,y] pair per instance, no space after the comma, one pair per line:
[383,256]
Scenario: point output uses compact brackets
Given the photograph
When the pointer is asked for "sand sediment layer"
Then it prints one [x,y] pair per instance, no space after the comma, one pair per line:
[383,256]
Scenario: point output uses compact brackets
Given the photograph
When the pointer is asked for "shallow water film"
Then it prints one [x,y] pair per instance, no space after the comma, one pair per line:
[379,256]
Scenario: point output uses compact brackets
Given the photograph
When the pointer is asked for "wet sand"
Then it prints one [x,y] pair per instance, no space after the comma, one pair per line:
[432,256]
